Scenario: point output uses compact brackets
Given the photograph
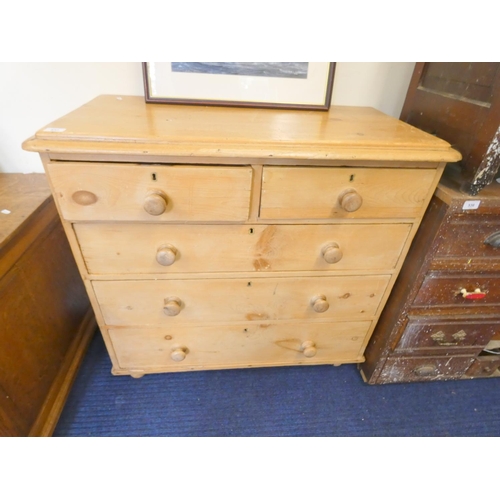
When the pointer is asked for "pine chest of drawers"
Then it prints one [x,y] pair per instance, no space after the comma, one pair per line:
[227,238]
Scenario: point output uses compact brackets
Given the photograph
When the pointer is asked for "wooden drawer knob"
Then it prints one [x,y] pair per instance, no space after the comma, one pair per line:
[332,253]
[179,354]
[173,306]
[166,255]
[84,198]
[155,203]
[308,348]
[350,200]
[320,304]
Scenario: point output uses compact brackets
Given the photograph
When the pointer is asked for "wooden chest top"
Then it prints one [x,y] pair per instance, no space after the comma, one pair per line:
[126,124]
[20,196]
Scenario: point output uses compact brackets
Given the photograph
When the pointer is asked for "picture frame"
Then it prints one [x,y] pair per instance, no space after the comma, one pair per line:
[256,84]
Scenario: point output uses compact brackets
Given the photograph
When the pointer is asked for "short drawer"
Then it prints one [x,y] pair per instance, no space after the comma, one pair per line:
[123,192]
[340,193]
[167,302]
[465,291]
[484,366]
[426,334]
[241,346]
[169,248]
[415,369]
[465,236]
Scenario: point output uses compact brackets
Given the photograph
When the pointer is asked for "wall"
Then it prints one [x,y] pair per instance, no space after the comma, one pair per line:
[34,94]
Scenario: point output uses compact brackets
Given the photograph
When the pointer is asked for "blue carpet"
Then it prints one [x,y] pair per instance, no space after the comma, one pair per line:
[291,401]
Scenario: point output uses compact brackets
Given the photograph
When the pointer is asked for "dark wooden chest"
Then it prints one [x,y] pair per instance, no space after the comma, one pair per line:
[442,321]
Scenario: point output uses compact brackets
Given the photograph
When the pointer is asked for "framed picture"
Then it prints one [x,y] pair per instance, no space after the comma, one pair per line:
[290,85]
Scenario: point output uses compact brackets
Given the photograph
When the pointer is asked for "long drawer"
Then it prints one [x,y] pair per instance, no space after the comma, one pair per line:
[167,302]
[415,369]
[328,193]
[169,248]
[459,291]
[239,346]
[431,335]
[129,192]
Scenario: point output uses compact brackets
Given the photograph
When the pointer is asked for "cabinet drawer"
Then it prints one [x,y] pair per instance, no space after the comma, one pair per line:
[226,346]
[415,369]
[484,366]
[446,335]
[161,248]
[166,302]
[446,291]
[336,193]
[464,239]
[92,191]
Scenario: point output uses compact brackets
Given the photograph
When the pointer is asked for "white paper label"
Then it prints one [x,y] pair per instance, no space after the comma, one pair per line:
[54,129]
[5,211]
[471,205]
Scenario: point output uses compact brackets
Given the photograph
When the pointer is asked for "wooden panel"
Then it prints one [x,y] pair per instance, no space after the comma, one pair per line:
[461,80]
[42,304]
[87,191]
[259,299]
[313,193]
[245,345]
[21,195]
[460,103]
[125,248]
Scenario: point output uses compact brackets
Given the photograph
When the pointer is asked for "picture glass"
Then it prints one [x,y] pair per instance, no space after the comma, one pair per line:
[267,84]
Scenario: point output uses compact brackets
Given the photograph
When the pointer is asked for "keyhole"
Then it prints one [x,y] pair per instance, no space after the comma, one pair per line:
[153,177]
[351,178]
[251,230]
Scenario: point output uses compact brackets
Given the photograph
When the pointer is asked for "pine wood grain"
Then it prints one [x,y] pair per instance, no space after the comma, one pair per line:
[126,124]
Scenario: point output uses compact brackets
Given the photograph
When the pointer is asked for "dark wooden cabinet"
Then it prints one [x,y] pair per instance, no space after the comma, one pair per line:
[442,320]
[46,321]
[443,315]
[460,103]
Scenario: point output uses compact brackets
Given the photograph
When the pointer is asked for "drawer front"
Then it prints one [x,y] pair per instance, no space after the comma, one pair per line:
[423,369]
[446,335]
[162,248]
[446,291]
[91,191]
[464,237]
[166,302]
[333,193]
[484,366]
[225,346]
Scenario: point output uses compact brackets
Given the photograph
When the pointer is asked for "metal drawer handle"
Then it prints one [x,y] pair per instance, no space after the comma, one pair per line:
[439,338]
[493,240]
[425,370]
